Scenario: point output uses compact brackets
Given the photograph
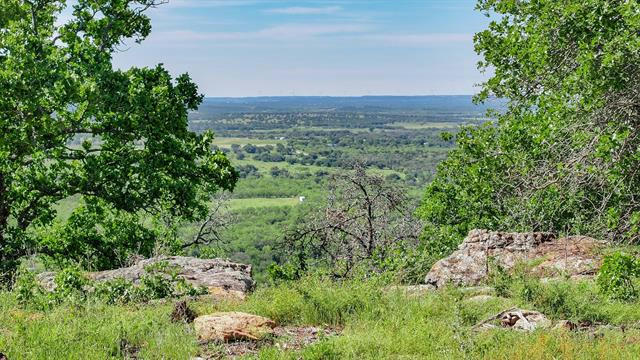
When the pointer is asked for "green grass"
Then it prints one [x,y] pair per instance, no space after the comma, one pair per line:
[376,323]
[65,207]
[91,332]
[238,204]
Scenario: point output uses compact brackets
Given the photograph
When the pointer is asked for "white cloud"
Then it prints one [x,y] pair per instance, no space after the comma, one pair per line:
[280,32]
[304,30]
[299,10]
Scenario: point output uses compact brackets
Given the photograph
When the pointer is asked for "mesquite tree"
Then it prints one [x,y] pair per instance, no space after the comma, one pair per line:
[72,124]
[365,220]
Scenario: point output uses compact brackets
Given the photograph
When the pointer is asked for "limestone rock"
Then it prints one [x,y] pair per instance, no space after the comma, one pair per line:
[516,319]
[232,326]
[226,294]
[469,265]
[219,276]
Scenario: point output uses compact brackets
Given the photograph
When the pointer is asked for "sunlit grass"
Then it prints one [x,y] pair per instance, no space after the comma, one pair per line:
[376,323]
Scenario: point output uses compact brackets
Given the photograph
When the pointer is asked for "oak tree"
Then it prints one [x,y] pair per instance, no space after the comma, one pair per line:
[72,124]
[564,154]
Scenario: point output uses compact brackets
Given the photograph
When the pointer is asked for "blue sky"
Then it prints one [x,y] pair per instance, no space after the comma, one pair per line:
[315,47]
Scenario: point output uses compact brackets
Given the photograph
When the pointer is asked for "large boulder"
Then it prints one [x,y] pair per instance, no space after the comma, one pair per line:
[232,326]
[222,278]
[469,265]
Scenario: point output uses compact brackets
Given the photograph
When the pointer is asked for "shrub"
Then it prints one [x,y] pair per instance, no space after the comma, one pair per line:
[116,291]
[617,274]
[72,286]
[26,287]
[70,283]
[500,279]
[285,272]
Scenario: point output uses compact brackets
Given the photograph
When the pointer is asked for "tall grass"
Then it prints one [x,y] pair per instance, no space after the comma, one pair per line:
[376,322]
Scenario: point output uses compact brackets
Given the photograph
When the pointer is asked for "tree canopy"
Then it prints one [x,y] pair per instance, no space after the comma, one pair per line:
[564,155]
[73,124]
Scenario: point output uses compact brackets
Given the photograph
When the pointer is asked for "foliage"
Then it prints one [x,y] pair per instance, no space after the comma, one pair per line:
[557,298]
[562,157]
[70,286]
[96,236]
[73,287]
[70,282]
[617,274]
[117,291]
[26,287]
[285,272]
[57,85]
[407,265]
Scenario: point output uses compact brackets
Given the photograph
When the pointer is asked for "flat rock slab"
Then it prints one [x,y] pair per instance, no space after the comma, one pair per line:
[469,265]
[222,278]
[233,326]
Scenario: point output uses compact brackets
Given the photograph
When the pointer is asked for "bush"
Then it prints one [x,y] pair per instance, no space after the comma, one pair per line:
[70,283]
[500,279]
[26,287]
[285,272]
[72,286]
[116,291]
[616,276]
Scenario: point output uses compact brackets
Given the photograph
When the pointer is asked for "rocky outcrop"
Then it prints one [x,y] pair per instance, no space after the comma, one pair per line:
[469,265]
[222,278]
[232,326]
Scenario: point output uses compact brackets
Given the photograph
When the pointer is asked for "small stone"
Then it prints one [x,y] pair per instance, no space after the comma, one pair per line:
[516,319]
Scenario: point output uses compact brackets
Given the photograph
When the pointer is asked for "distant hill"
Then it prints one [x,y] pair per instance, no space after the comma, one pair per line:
[461,103]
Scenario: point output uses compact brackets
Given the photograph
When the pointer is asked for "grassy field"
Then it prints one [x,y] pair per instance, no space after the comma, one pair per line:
[376,324]
[238,204]
[226,142]
[265,167]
